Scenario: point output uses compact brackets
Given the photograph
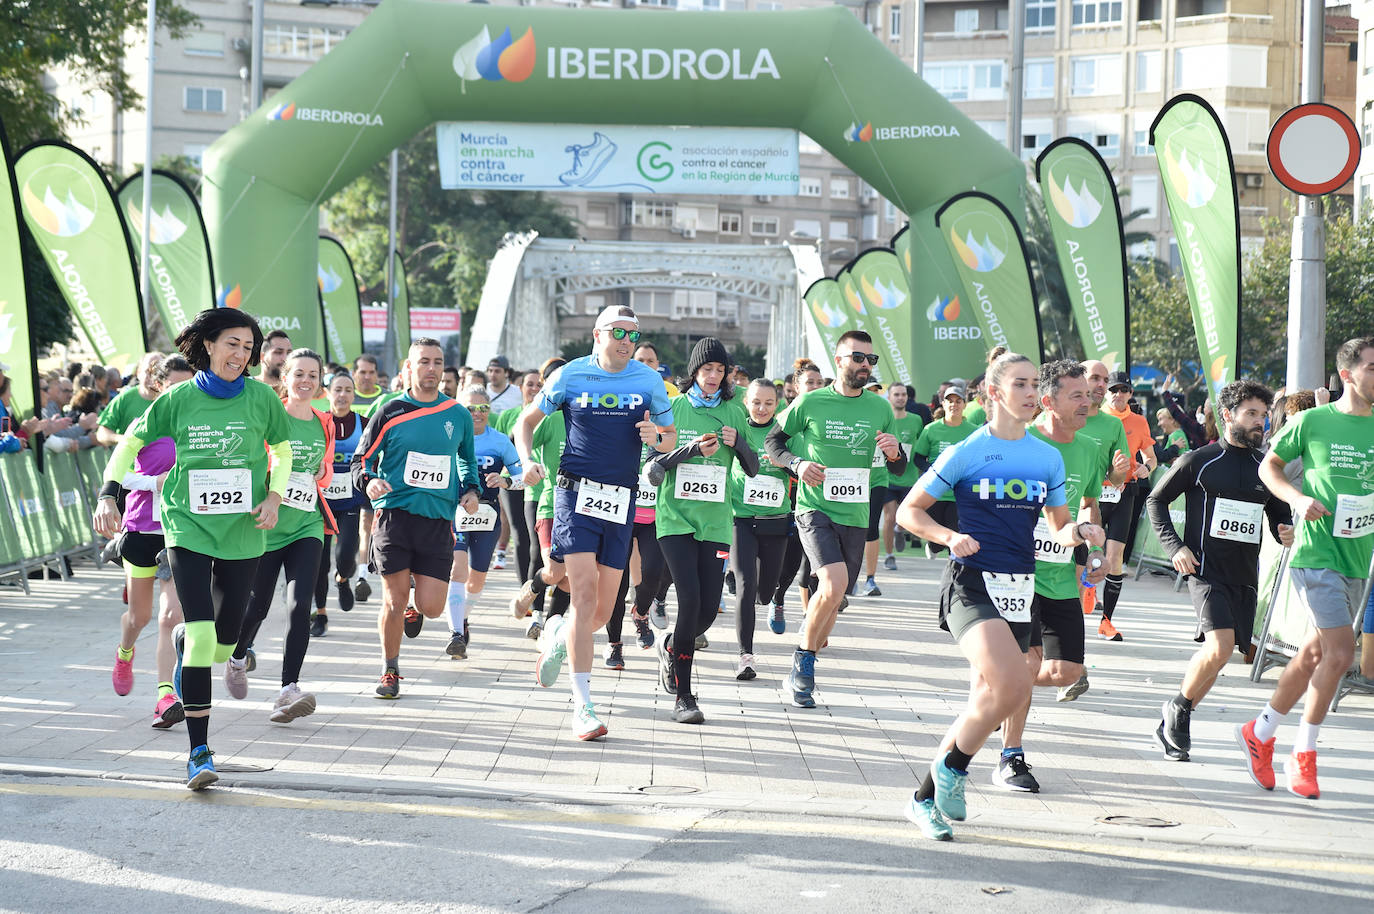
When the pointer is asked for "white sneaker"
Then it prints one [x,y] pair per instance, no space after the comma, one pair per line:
[236,678]
[291,704]
[745,670]
[585,724]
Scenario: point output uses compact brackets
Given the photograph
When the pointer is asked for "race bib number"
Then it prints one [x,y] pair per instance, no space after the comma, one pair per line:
[699,482]
[1354,516]
[1237,521]
[1046,549]
[603,502]
[906,450]
[1011,594]
[846,485]
[764,491]
[220,491]
[300,492]
[484,518]
[427,471]
[340,486]
[646,494]
[1111,495]
[879,458]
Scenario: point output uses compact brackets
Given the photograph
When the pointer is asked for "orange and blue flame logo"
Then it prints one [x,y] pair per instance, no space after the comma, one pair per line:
[229,298]
[856,134]
[282,112]
[943,309]
[502,59]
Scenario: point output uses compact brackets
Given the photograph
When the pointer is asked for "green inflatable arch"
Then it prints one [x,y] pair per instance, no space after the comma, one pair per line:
[414,62]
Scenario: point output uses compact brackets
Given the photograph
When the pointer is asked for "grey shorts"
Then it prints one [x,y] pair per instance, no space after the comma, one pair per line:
[1331,599]
[827,543]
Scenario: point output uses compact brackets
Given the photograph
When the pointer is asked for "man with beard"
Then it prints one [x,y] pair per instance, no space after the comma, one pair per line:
[1219,550]
[827,438]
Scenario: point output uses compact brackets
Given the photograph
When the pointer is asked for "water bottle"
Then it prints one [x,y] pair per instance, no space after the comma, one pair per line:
[1094,563]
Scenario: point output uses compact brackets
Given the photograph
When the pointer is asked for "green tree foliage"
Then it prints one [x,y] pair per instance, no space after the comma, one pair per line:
[446,237]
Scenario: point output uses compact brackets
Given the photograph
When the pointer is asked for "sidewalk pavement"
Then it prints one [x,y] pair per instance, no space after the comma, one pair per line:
[888,687]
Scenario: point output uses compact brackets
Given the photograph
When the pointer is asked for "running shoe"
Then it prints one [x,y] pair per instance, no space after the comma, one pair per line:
[900,541]
[521,602]
[802,679]
[1071,692]
[615,657]
[550,662]
[236,678]
[1178,726]
[1012,773]
[685,710]
[659,615]
[319,624]
[644,635]
[928,819]
[890,563]
[536,627]
[250,659]
[1169,751]
[844,604]
[292,703]
[362,590]
[499,563]
[1301,768]
[745,670]
[414,622]
[730,582]
[1259,756]
[345,595]
[701,643]
[123,675]
[1089,601]
[777,621]
[168,712]
[585,724]
[949,790]
[870,588]
[390,685]
[667,676]
[930,553]
[457,646]
[179,644]
[200,768]
[164,566]
[1107,631]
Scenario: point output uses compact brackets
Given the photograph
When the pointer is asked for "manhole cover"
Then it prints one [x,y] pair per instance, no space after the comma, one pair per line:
[237,768]
[1138,821]
[661,790]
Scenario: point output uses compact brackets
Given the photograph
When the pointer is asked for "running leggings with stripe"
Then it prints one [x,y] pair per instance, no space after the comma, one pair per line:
[520,530]
[757,563]
[301,560]
[697,576]
[345,555]
[652,570]
[214,598]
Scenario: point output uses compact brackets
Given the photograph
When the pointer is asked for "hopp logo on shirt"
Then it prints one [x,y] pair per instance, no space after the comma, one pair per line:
[1011,489]
[590,399]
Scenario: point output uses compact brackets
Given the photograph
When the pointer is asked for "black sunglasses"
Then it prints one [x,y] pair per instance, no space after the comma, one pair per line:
[858,358]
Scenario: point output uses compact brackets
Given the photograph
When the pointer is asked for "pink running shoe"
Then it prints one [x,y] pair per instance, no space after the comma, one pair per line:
[123,675]
[168,712]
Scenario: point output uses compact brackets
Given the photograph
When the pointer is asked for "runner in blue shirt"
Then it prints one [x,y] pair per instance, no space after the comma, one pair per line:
[1001,478]
[611,405]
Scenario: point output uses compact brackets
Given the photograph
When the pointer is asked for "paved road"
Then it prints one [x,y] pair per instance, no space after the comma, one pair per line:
[471,792]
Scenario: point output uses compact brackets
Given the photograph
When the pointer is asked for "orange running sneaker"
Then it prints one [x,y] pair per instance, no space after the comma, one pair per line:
[1259,756]
[1301,768]
[1107,631]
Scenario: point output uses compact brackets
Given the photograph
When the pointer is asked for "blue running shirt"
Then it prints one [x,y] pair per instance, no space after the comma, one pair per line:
[601,408]
[1000,487]
[495,452]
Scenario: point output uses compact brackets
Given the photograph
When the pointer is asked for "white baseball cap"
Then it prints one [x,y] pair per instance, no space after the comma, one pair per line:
[614,314]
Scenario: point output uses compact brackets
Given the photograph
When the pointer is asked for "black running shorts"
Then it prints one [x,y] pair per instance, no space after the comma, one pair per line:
[1222,606]
[1057,627]
[402,541]
[964,603]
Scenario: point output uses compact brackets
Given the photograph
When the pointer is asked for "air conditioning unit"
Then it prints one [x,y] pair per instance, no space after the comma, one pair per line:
[689,233]
[869,194]
[240,44]
[1254,180]
[764,198]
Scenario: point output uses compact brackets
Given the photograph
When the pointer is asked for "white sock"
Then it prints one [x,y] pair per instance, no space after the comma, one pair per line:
[1267,724]
[286,688]
[238,664]
[457,606]
[1307,737]
[582,688]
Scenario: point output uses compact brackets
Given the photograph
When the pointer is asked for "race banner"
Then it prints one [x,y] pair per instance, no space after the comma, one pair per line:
[16,348]
[990,258]
[442,324]
[343,322]
[1199,178]
[181,278]
[854,300]
[882,285]
[72,213]
[400,309]
[824,303]
[946,339]
[1085,220]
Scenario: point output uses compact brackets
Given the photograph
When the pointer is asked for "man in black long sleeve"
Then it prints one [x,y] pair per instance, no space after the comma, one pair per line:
[1219,550]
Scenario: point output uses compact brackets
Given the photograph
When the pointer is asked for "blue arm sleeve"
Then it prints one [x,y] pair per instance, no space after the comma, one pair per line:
[552,394]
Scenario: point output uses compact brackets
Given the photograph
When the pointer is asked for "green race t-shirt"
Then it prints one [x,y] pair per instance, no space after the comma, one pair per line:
[504,421]
[767,493]
[936,438]
[1055,574]
[307,455]
[1179,439]
[976,414]
[221,470]
[837,432]
[1337,451]
[908,433]
[1110,436]
[694,497]
[546,447]
[124,410]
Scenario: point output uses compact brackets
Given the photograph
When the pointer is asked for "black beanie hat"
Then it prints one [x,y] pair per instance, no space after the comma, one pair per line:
[707,349]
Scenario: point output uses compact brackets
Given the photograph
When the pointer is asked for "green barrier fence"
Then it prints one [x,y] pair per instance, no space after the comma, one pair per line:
[50,514]
[35,512]
[68,492]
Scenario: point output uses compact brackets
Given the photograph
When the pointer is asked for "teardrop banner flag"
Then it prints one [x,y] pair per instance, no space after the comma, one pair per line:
[946,339]
[342,308]
[1199,178]
[1085,220]
[181,278]
[882,284]
[16,348]
[72,213]
[858,308]
[990,258]
[825,304]
[400,310]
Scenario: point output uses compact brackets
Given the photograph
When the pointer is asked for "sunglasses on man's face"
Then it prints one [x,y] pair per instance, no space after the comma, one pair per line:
[480,408]
[620,333]
[858,358]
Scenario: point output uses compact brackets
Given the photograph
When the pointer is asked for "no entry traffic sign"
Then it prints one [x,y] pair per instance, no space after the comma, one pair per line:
[1313,149]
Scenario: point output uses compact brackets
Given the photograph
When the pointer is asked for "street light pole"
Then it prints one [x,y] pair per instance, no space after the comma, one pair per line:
[144,286]
[255,58]
[1307,274]
[1016,78]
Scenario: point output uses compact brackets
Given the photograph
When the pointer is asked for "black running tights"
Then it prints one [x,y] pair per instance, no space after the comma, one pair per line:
[300,560]
[698,579]
[757,562]
[792,559]
[345,555]
[652,571]
[520,530]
